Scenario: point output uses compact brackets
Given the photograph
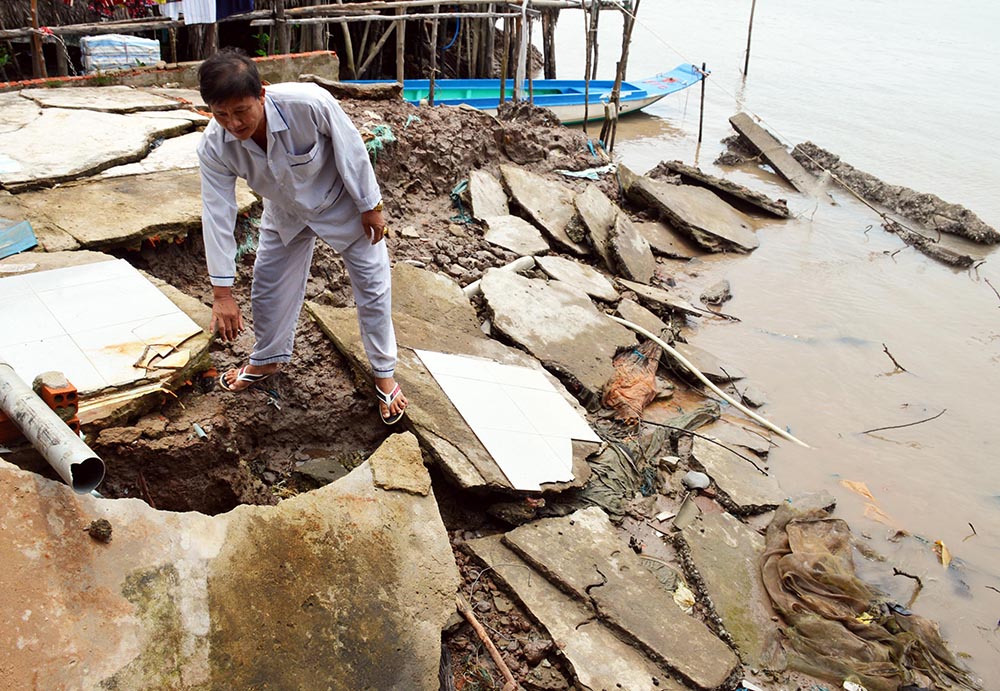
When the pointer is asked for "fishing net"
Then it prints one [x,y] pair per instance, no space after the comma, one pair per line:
[838,628]
[633,386]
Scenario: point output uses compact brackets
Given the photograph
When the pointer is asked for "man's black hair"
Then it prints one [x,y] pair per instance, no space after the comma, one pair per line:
[228,75]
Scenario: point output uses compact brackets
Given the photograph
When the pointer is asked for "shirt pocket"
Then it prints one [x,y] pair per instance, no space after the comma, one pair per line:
[305,166]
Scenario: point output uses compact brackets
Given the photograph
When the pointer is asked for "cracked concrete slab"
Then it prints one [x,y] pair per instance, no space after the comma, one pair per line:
[597,658]
[637,314]
[549,205]
[583,277]
[515,234]
[63,144]
[744,489]
[400,466]
[725,555]
[666,241]
[176,153]
[105,99]
[727,189]
[486,196]
[430,312]
[558,325]
[696,212]
[584,555]
[359,582]
[733,431]
[708,364]
[660,299]
[630,251]
[15,113]
[598,214]
[116,212]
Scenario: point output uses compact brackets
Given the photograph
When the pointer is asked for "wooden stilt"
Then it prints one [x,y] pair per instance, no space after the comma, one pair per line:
[281,28]
[373,53]
[504,59]
[434,55]
[620,72]
[549,19]
[400,45]
[746,63]
[701,108]
[37,50]
[62,59]
[348,47]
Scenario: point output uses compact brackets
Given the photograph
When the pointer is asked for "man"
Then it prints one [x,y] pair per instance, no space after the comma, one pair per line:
[296,148]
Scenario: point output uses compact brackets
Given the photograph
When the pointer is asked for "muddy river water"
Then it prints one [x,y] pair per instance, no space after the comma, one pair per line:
[908,90]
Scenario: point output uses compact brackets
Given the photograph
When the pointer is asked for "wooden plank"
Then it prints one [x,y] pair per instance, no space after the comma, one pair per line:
[775,154]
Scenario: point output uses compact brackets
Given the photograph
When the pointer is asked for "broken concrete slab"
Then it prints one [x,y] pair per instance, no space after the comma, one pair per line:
[597,658]
[665,240]
[317,472]
[733,431]
[558,325]
[176,153]
[515,234]
[721,556]
[63,144]
[105,99]
[698,213]
[743,488]
[584,555]
[486,196]
[183,98]
[115,212]
[400,466]
[717,293]
[173,594]
[637,314]
[580,276]
[15,113]
[735,194]
[430,312]
[598,214]
[708,364]
[630,251]
[775,153]
[548,204]
[660,299]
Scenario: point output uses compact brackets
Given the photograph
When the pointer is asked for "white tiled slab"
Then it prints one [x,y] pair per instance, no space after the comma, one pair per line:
[520,418]
[91,322]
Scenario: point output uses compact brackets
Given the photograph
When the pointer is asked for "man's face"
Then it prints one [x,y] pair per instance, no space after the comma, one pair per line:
[241,117]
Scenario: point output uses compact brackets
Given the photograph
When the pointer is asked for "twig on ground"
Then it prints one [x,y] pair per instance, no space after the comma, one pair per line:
[916,589]
[993,588]
[753,431]
[885,349]
[709,439]
[145,491]
[909,424]
[974,533]
[735,388]
[991,286]
[465,611]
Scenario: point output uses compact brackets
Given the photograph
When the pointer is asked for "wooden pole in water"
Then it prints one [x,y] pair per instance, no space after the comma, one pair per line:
[37,54]
[434,56]
[586,72]
[701,109]
[400,45]
[746,63]
[620,73]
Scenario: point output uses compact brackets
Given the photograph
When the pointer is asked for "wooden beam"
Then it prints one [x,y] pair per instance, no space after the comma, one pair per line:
[94,29]
[388,18]
[283,31]
[357,7]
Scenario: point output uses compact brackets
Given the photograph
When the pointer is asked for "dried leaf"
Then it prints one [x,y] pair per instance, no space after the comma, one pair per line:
[943,555]
[859,488]
[876,514]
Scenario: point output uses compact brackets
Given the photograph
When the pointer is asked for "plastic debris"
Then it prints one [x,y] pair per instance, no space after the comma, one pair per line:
[684,598]
[589,173]
[15,237]
[376,137]
[853,686]
[410,120]
[695,480]
[943,555]
[199,431]
[748,685]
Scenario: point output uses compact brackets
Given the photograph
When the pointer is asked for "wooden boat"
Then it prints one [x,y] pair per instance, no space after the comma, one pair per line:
[565,97]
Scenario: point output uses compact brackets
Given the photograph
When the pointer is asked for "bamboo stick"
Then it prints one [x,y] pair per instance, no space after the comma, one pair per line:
[434,55]
[349,48]
[375,49]
[400,46]
[388,18]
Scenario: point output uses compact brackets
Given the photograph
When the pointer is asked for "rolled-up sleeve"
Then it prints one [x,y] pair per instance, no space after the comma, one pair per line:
[350,155]
[218,218]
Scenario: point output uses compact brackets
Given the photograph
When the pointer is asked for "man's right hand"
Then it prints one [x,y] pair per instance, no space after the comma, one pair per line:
[227,320]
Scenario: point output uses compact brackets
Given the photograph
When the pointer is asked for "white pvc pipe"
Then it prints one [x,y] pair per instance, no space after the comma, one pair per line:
[519,264]
[75,462]
[694,370]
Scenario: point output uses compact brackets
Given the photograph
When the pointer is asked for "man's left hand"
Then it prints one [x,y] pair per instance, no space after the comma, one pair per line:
[374,224]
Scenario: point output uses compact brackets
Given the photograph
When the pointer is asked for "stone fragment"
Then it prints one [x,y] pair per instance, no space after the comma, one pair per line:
[717,293]
[708,364]
[584,555]
[548,204]
[637,314]
[15,113]
[630,251]
[694,480]
[775,153]
[753,396]
[579,276]
[361,580]
[176,153]
[63,144]
[698,213]
[662,299]
[430,312]
[124,211]
[487,195]
[730,191]
[106,99]
[559,326]
[725,555]
[665,240]
[515,234]
[400,466]
[746,490]
[598,214]
[318,472]
[596,657]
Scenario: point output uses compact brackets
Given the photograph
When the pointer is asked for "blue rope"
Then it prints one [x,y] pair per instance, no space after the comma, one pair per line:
[458,26]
